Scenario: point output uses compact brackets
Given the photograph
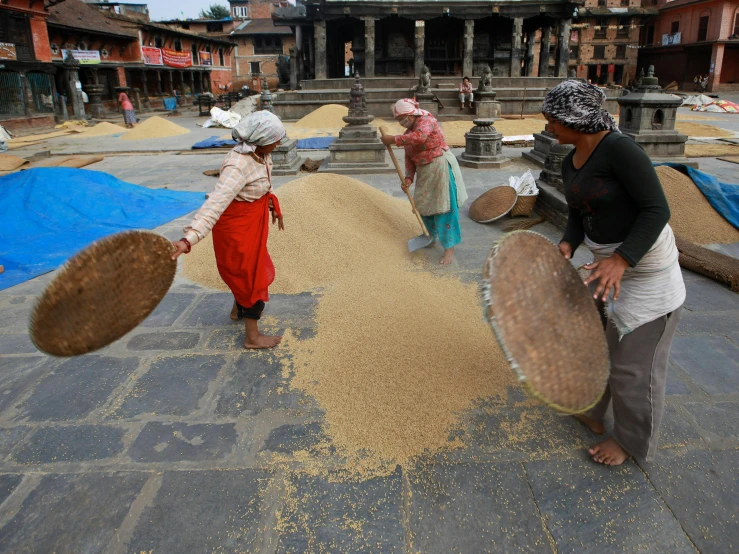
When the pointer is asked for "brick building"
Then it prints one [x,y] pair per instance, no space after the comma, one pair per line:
[27,89]
[692,37]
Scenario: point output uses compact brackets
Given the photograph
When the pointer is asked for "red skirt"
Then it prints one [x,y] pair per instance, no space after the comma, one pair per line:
[240,244]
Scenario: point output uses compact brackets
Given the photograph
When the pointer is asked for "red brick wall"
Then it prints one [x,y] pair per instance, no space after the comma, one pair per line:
[40,38]
[260,9]
[131,51]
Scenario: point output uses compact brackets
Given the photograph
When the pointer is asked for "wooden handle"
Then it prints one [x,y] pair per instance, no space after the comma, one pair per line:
[402,183]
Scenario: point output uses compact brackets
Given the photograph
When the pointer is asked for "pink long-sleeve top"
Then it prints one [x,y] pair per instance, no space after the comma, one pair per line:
[423,142]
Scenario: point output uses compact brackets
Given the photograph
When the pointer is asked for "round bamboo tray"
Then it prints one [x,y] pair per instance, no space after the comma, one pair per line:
[493,204]
[546,322]
[102,293]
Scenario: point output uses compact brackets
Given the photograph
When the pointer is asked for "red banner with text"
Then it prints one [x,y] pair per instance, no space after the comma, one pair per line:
[172,58]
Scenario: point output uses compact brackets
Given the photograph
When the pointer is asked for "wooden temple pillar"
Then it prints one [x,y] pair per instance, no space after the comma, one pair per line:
[319,34]
[563,47]
[516,47]
[530,45]
[369,46]
[469,38]
[546,38]
[420,38]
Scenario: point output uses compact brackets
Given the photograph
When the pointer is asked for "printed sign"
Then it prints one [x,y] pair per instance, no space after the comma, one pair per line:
[86,57]
[152,56]
[669,40]
[205,58]
[172,58]
[7,51]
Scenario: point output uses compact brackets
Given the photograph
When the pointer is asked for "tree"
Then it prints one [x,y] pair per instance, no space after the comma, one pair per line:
[216,11]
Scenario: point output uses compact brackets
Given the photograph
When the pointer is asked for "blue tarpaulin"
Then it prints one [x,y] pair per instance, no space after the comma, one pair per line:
[214,142]
[49,214]
[315,143]
[170,103]
[722,196]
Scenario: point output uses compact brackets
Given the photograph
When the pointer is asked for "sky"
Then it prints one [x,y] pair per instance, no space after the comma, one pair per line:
[167,9]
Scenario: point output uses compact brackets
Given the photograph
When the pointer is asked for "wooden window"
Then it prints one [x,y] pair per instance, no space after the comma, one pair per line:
[158,42]
[267,44]
[599,52]
[601,30]
[675,27]
[220,57]
[574,52]
[255,69]
[16,29]
[624,27]
[736,25]
[621,51]
[624,3]
[195,55]
[602,3]
[703,27]
[178,45]
[214,27]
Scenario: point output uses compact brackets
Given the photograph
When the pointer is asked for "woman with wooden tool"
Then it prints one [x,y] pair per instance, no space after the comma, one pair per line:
[237,212]
[440,190]
[618,209]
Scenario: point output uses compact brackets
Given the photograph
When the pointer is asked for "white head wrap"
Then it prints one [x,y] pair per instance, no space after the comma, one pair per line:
[258,129]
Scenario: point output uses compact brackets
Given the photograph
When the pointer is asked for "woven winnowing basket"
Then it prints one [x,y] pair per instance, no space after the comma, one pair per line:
[524,205]
[102,293]
[493,204]
[546,322]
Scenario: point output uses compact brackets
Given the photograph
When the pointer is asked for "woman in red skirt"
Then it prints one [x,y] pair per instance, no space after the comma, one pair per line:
[238,213]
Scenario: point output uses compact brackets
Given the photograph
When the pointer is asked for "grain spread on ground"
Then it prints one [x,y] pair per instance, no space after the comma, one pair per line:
[710,150]
[454,131]
[155,127]
[102,129]
[692,216]
[399,354]
[701,130]
[328,116]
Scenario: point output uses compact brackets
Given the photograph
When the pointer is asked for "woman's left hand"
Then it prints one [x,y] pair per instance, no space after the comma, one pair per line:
[609,273]
[276,218]
[388,140]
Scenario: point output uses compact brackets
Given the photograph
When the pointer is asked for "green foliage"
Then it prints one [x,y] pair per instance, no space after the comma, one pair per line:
[215,11]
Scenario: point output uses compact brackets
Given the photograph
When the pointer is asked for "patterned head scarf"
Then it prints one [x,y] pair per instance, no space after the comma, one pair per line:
[258,129]
[579,106]
[408,106]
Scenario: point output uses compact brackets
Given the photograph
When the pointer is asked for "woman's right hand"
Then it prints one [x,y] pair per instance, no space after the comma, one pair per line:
[179,248]
[406,184]
[566,250]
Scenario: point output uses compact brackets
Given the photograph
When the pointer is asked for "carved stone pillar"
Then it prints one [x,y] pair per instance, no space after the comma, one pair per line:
[469,38]
[319,33]
[516,46]
[419,44]
[159,82]
[563,47]
[546,38]
[530,44]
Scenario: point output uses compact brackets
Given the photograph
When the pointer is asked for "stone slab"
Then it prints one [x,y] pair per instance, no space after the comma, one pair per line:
[322,515]
[705,295]
[204,511]
[72,513]
[676,431]
[170,308]
[17,374]
[174,340]
[443,497]
[177,442]
[172,386]
[590,507]
[76,388]
[702,489]
[16,344]
[715,323]
[213,310]
[720,419]
[7,485]
[497,164]
[256,384]
[288,439]
[73,443]
[711,362]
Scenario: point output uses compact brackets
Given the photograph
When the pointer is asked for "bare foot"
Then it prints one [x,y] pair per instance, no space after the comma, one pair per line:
[448,256]
[595,426]
[262,341]
[234,312]
[255,339]
[609,453]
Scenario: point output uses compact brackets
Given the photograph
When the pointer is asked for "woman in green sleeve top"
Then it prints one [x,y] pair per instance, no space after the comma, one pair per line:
[618,209]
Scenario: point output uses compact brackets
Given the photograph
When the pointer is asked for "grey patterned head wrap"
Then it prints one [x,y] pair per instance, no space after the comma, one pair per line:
[579,106]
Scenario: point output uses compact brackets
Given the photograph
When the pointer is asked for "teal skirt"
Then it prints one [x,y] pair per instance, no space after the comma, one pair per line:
[445,227]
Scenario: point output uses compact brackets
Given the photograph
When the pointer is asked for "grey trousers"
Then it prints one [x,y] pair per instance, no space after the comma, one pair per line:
[636,386]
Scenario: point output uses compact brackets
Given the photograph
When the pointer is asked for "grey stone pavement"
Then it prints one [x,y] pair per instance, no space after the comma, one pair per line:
[175,440]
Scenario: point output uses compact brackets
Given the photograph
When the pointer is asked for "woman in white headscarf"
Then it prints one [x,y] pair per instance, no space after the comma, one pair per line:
[238,214]
[440,190]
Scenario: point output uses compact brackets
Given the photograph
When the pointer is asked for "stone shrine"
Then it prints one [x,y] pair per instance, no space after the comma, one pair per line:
[358,148]
[486,106]
[483,147]
[648,115]
[95,94]
[285,159]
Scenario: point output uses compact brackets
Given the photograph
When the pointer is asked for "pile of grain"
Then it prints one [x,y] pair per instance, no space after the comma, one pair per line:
[701,130]
[328,116]
[102,129]
[710,150]
[155,127]
[692,216]
[8,162]
[399,353]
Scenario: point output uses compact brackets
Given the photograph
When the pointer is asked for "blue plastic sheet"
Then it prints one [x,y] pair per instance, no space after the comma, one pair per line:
[170,103]
[722,196]
[214,142]
[49,214]
[315,143]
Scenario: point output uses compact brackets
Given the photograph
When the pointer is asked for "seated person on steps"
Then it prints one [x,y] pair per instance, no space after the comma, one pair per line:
[465,92]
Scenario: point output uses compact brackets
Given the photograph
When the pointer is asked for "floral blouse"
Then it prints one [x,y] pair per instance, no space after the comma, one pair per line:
[424,142]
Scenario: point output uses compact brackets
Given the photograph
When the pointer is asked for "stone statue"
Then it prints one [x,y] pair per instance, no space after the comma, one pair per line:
[486,80]
[357,100]
[424,81]
[650,71]
[572,74]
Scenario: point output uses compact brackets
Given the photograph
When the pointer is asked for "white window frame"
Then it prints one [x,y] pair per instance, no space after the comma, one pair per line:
[241,11]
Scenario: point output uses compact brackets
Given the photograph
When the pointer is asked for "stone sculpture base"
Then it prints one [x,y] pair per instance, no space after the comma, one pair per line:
[663,147]
[483,147]
[357,150]
[487,109]
[543,143]
[285,159]
[427,102]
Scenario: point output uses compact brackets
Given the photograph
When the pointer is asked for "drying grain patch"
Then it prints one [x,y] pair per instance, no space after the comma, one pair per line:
[102,129]
[693,217]
[454,131]
[328,116]
[701,130]
[399,354]
[155,127]
[710,150]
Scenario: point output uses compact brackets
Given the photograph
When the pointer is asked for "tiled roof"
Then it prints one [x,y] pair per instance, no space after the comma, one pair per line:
[261,27]
[75,14]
